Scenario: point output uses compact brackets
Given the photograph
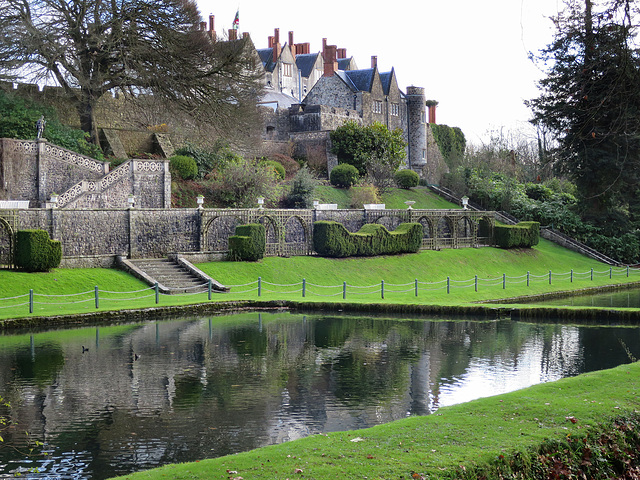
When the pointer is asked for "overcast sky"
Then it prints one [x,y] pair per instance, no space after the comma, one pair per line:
[469,55]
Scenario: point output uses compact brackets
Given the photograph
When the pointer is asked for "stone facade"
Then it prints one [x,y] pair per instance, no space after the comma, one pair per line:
[95,237]
[34,170]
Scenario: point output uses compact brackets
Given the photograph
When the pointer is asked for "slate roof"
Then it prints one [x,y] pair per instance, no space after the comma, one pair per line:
[305,63]
[275,99]
[385,78]
[343,63]
[266,56]
[360,79]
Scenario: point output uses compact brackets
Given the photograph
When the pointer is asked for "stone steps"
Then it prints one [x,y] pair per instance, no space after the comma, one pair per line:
[172,276]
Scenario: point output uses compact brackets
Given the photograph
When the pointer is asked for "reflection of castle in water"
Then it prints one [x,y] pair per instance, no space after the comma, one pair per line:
[174,391]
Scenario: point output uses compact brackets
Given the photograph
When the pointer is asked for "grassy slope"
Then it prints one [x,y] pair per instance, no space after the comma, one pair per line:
[467,435]
[394,198]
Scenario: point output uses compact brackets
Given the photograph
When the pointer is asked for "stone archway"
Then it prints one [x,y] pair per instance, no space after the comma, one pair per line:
[217,232]
[6,244]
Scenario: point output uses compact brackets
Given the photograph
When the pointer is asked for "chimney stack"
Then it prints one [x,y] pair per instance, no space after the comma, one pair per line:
[330,64]
[212,30]
[233,34]
[432,113]
[374,61]
[276,44]
[342,53]
[203,26]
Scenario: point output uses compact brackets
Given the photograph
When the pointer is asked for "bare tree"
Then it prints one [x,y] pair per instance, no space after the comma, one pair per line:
[91,47]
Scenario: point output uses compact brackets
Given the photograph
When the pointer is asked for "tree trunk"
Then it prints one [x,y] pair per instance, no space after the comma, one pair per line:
[88,124]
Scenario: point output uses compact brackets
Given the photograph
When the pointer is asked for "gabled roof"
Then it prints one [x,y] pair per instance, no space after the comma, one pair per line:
[266,56]
[305,63]
[361,80]
[344,63]
[386,78]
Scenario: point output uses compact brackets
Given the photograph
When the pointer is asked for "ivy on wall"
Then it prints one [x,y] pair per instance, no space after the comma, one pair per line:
[450,140]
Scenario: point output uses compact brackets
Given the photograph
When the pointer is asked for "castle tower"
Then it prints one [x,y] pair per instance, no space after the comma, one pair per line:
[417,123]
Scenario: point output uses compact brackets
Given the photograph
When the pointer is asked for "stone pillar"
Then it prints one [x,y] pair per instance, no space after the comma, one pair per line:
[417,131]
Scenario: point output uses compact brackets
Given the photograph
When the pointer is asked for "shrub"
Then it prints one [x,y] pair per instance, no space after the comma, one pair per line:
[362,195]
[36,252]
[407,178]
[277,167]
[291,166]
[522,235]
[332,239]
[209,159]
[344,175]
[183,166]
[248,244]
[538,191]
[302,188]
[241,183]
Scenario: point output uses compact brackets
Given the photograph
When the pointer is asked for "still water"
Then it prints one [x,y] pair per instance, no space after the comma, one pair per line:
[629,298]
[110,400]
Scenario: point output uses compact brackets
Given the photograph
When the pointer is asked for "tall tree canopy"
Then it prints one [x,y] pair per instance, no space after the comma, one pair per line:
[91,47]
[590,101]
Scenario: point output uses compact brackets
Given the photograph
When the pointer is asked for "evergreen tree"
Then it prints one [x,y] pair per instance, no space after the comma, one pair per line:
[590,101]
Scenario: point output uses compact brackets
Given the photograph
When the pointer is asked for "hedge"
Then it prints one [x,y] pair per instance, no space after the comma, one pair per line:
[522,235]
[36,252]
[248,244]
[407,178]
[332,239]
[343,175]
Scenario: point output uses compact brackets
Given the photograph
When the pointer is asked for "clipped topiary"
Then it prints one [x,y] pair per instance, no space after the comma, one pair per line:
[183,166]
[344,175]
[278,167]
[248,244]
[521,235]
[407,178]
[332,239]
[36,252]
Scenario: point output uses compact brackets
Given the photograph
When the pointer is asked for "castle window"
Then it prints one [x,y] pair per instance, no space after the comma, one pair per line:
[395,109]
[377,106]
[424,154]
[424,117]
[286,69]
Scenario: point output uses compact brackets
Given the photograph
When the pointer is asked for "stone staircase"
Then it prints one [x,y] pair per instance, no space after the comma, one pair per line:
[173,276]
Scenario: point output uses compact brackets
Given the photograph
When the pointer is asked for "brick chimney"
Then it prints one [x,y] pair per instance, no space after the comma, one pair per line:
[303,48]
[292,45]
[233,34]
[277,48]
[432,113]
[203,26]
[342,53]
[374,61]
[212,30]
[330,63]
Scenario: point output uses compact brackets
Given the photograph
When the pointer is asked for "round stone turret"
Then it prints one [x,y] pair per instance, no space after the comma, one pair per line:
[417,137]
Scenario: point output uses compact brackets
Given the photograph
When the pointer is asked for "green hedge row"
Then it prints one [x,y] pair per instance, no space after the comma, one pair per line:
[248,244]
[332,239]
[522,235]
[36,252]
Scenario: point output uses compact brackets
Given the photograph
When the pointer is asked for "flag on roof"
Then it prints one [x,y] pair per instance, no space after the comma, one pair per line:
[236,21]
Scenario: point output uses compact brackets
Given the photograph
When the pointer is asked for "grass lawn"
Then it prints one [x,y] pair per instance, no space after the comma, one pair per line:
[394,198]
[68,291]
[448,444]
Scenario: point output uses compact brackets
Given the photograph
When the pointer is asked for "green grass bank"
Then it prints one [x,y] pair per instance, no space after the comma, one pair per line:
[450,277]
[485,438]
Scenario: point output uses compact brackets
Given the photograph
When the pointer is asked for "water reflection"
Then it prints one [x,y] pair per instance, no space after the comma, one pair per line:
[110,400]
[628,298]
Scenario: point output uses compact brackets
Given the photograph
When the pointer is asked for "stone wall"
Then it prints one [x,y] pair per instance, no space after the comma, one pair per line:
[95,237]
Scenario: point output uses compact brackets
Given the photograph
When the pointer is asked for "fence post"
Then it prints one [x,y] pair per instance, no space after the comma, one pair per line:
[527,278]
[304,287]
[592,274]
[504,281]
[157,293]
[549,277]
[31,300]
[448,284]
[382,289]
[572,275]
[627,270]
[344,290]
[610,270]
[259,286]
[416,287]
[209,289]
[476,283]
[97,297]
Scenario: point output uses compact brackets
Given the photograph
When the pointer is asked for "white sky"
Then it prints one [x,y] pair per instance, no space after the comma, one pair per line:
[469,55]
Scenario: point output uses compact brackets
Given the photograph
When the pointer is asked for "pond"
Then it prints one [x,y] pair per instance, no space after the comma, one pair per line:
[110,400]
[627,298]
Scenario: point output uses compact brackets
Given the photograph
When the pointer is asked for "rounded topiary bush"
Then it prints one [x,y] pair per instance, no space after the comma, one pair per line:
[407,178]
[344,175]
[278,167]
[183,166]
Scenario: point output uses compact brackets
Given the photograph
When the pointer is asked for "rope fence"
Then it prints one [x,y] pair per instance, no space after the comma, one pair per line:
[305,288]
